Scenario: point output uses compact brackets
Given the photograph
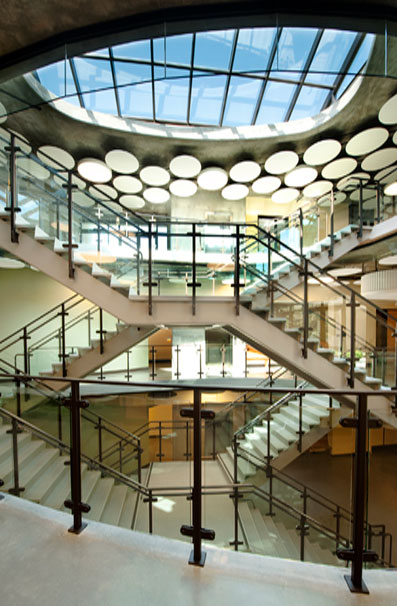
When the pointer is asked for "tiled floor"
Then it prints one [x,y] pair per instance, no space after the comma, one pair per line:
[42,565]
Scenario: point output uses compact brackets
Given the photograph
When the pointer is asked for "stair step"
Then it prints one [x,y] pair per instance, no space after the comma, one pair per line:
[127,514]
[40,489]
[27,451]
[36,466]
[270,541]
[114,505]
[277,321]
[253,539]
[89,481]
[289,540]
[296,333]
[6,443]
[99,498]
[61,491]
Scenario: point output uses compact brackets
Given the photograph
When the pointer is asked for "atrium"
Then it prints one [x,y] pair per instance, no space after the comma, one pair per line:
[200,210]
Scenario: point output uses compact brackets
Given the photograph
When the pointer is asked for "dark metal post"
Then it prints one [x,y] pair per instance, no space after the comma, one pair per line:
[246,361]
[213,441]
[300,432]
[69,245]
[138,264]
[197,556]
[99,428]
[150,511]
[332,227]
[26,357]
[301,232]
[305,309]
[194,282]
[18,394]
[187,453]
[75,503]
[160,453]
[177,373]
[200,373]
[13,202]
[60,422]
[101,332]
[235,494]
[360,211]
[269,259]
[153,372]
[223,373]
[350,380]
[150,284]
[139,458]
[337,517]
[16,489]
[63,313]
[237,271]
[378,199]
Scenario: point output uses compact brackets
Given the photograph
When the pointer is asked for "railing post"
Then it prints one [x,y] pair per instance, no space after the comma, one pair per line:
[301,232]
[246,361]
[350,380]
[101,332]
[151,511]
[139,458]
[337,517]
[194,284]
[99,428]
[13,208]
[269,259]
[187,453]
[360,211]
[223,373]
[235,495]
[150,283]
[121,456]
[305,309]
[236,284]
[160,453]
[75,503]
[378,199]
[213,441]
[300,432]
[332,228]
[63,355]
[69,244]
[16,489]
[177,350]
[153,372]
[269,474]
[60,422]
[26,357]
[201,372]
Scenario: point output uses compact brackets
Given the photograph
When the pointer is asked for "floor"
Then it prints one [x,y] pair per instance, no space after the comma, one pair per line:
[104,565]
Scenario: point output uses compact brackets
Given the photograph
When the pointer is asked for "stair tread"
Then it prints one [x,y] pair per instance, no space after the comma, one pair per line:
[127,513]
[41,487]
[61,491]
[114,505]
[99,498]
[36,466]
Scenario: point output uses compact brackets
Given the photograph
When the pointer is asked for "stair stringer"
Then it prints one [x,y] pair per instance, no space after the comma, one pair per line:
[93,359]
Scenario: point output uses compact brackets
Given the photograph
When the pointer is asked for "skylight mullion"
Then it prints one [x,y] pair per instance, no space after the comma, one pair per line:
[189,99]
[268,68]
[304,72]
[153,87]
[76,82]
[116,93]
[355,47]
[232,55]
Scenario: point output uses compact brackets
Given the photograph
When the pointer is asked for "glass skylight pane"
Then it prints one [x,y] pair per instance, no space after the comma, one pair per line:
[133,50]
[130,73]
[101,101]
[178,49]
[241,101]
[293,48]
[275,102]
[213,49]
[207,97]
[309,102]
[171,95]
[253,49]
[53,78]
[357,64]
[93,74]
[330,56]
[136,101]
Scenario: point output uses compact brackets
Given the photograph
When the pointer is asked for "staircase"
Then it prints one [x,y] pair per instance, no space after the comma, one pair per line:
[44,474]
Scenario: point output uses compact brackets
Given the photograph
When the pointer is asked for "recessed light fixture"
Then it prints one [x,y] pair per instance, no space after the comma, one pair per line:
[339,168]
[322,152]
[380,159]
[132,202]
[32,168]
[128,185]
[281,162]
[55,157]
[62,180]
[266,185]
[212,178]
[390,260]
[317,189]
[154,176]
[285,195]
[367,141]
[7,263]
[300,176]
[80,198]
[387,175]
[103,192]
[156,195]
[94,170]
[388,111]
[324,280]
[341,272]
[353,181]
[185,167]
[183,188]
[245,172]
[122,161]
[391,189]
[236,191]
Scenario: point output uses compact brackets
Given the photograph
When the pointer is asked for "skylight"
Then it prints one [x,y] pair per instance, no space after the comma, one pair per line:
[234,77]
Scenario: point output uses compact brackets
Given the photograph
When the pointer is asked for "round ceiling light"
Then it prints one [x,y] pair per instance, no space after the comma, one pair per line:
[325,201]
[55,157]
[391,189]
[122,161]
[245,172]
[322,152]
[154,176]
[266,185]
[390,260]
[317,189]
[237,191]
[343,272]
[388,111]
[281,162]
[128,185]
[62,181]
[94,170]
[132,202]
[33,168]
[324,280]
[7,263]
[285,195]
[353,181]
[156,195]
[366,192]
[367,141]
[300,176]
[185,167]
[381,285]
[183,188]
[212,178]
[395,138]
[380,159]
[103,192]
[80,198]
[387,175]
[339,168]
